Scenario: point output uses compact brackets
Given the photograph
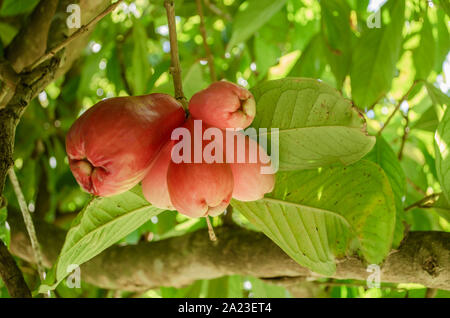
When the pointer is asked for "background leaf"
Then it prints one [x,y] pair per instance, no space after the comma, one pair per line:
[425,52]
[442,148]
[248,21]
[375,57]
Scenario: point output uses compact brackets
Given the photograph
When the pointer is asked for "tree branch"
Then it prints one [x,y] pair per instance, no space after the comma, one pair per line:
[209,56]
[83,29]
[11,275]
[399,104]
[422,258]
[175,69]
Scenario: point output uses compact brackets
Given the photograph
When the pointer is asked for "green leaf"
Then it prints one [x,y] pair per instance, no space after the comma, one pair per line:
[317,126]
[442,207]
[437,96]
[424,55]
[442,149]
[443,41]
[194,80]
[428,121]
[312,62]
[140,67]
[5,235]
[102,223]
[383,155]
[375,57]
[248,21]
[337,37]
[7,33]
[15,7]
[315,215]
[445,5]
[261,289]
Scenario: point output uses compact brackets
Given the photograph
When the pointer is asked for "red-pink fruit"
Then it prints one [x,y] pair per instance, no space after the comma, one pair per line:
[252,172]
[154,185]
[224,105]
[111,146]
[199,189]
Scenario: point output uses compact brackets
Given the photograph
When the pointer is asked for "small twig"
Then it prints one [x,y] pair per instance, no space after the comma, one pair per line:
[212,235]
[83,29]
[28,222]
[405,135]
[175,68]
[209,56]
[217,11]
[11,275]
[424,203]
[400,102]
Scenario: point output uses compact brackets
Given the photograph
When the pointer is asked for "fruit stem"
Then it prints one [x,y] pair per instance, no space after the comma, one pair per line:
[175,69]
[212,235]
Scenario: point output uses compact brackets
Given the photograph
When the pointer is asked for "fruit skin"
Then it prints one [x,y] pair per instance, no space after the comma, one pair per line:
[224,105]
[154,185]
[250,184]
[202,188]
[111,146]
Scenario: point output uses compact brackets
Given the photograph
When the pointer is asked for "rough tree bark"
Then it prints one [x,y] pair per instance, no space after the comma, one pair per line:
[422,258]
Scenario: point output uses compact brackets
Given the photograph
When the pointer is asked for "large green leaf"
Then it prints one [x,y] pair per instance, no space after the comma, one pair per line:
[102,223]
[442,149]
[383,155]
[337,37]
[375,57]
[424,55]
[314,215]
[317,126]
[248,21]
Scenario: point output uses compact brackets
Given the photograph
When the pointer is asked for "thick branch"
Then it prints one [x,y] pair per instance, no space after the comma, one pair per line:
[422,258]
[83,29]
[11,275]
[31,42]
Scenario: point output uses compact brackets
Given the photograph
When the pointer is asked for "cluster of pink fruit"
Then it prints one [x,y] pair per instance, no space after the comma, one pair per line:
[122,141]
